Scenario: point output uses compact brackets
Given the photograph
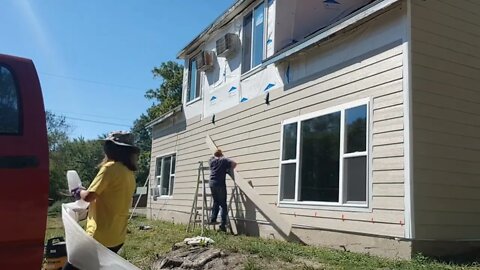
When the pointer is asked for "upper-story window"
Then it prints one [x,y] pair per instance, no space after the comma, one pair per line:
[9,103]
[193,80]
[253,38]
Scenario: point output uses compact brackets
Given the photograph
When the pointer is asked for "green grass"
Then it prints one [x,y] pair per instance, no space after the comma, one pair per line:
[143,246]
[54,227]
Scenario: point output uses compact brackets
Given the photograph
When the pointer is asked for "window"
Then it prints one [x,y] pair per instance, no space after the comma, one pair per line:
[324,157]
[253,38]
[193,80]
[9,104]
[165,174]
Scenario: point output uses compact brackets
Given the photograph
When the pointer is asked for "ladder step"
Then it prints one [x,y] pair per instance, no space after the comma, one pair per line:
[200,221]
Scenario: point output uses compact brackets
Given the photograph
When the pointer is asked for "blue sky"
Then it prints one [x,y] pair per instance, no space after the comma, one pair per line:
[94,57]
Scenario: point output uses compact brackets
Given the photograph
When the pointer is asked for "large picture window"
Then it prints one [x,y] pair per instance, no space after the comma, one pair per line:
[165,174]
[324,157]
[193,91]
[253,38]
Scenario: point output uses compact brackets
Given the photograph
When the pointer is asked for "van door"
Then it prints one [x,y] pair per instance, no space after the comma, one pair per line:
[23,165]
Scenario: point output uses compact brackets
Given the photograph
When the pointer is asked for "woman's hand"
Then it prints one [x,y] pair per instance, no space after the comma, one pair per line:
[88,196]
[80,193]
[76,192]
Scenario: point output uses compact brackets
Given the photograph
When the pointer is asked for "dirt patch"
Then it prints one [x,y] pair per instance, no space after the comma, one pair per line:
[199,257]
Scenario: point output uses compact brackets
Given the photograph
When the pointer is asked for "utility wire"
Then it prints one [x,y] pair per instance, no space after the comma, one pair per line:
[91,81]
[97,122]
[92,115]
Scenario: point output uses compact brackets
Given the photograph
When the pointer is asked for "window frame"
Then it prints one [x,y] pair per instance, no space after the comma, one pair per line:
[158,177]
[198,81]
[342,203]
[18,93]
[252,41]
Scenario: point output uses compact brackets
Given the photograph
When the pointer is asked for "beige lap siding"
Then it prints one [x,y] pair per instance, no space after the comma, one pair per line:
[258,155]
[446,118]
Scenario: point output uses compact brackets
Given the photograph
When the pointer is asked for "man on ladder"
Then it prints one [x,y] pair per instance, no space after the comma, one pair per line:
[219,167]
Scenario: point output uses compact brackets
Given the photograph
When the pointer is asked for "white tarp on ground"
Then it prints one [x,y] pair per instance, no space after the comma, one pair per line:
[83,251]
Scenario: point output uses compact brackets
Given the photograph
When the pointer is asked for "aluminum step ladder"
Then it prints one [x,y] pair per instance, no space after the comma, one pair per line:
[195,216]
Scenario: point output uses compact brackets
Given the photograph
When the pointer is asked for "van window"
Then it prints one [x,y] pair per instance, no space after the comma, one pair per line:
[9,103]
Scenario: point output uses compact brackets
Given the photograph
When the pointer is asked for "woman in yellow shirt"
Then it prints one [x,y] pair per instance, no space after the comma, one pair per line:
[110,193]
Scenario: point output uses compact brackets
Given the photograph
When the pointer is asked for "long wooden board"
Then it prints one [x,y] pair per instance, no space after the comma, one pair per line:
[266,209]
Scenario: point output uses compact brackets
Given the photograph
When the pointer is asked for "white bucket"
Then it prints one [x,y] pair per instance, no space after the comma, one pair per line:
[73,180]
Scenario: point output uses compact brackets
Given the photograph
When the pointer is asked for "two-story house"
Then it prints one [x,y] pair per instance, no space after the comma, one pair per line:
[354,122]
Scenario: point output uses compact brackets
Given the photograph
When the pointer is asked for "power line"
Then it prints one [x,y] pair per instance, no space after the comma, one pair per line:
[92,115]
[91,81]
[97,122]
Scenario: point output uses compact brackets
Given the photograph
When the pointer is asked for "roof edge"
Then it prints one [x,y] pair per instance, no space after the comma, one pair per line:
[225,17]
[164,116]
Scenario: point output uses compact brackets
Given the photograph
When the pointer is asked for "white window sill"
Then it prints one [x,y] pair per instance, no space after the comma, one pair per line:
[192,101]
[252,72]
[325,206]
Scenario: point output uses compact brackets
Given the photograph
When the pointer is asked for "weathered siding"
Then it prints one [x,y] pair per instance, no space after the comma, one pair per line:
[446,118]
[250,134]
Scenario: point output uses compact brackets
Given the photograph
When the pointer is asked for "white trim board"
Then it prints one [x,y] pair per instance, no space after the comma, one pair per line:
[408,127]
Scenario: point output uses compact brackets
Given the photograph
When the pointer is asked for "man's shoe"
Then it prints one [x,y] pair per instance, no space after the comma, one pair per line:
[222,228]
[212,222]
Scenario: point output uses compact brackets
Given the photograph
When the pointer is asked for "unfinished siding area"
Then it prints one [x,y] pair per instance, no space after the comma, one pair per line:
[446,125]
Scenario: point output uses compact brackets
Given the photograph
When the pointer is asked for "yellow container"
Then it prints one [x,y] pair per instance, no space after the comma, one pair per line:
[55,254]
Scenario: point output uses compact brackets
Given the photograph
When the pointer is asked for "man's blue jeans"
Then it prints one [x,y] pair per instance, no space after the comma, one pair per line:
[219,195]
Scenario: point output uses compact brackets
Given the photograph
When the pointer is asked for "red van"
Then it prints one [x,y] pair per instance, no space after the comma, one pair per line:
[23,165]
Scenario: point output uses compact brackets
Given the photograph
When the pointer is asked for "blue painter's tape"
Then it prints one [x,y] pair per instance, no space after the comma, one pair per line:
[213,98]
[331,2]
[244,99]
[270,85]
[270,2]
[269,41]
[232,89]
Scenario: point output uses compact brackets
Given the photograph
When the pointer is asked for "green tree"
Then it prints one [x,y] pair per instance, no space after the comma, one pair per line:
[83,156]
[169,94]
[65,154]
[166,97]
[144,142]
[57,130]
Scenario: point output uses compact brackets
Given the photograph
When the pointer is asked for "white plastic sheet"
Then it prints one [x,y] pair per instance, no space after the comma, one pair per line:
[83,251]
[198,240]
